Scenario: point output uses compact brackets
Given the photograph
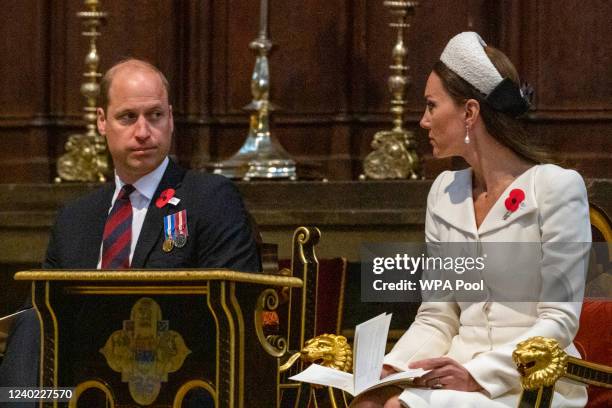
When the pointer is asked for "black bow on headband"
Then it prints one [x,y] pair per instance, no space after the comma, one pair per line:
[507,97]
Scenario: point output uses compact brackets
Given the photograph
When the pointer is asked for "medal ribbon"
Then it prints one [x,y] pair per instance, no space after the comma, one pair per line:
[169,227]
[181,222]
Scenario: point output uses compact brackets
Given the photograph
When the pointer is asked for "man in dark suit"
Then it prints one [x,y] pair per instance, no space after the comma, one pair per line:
[155,215]
[219,235]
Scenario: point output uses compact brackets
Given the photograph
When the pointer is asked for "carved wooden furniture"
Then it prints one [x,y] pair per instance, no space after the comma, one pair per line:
[320,317]
[129,337]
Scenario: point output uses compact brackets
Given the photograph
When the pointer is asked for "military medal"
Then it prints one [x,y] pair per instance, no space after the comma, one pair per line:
[175,231]
[167,245]
[180,238]
[168,234]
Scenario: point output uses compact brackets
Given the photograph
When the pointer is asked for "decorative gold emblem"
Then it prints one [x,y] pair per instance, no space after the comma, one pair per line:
[540,361]
[145,351]
[328,350]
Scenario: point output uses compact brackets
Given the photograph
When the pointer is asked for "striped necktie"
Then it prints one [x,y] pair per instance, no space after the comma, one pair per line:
[117,238]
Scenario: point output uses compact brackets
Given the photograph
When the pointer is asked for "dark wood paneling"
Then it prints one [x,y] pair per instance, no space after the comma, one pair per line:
[329,71]
[23,156]
[308,61]
[582,145]
[145,29]
[24,57]
[434,23]
[194,62]
[575,58]
[24,91]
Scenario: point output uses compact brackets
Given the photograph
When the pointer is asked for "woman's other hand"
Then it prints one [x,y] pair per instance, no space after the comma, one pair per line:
[446,374]
[387,370]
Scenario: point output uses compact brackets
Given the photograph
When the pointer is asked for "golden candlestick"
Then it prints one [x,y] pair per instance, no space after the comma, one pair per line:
[86,156]
[394,155]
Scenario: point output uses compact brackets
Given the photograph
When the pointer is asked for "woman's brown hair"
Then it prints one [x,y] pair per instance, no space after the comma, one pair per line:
[503,127]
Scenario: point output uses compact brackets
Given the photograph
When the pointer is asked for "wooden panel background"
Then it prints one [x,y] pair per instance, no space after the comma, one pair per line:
[329,70]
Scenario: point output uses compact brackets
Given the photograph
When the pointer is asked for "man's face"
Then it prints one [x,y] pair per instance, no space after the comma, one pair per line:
[138,122]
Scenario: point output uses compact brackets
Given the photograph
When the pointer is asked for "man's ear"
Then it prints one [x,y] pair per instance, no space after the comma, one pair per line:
[472,111]
[171,117]
[101,121]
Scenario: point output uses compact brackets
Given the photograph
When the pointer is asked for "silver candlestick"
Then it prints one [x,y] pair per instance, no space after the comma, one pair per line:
[261,155]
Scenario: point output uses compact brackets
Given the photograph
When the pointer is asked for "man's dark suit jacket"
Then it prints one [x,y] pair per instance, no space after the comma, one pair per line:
[220,236]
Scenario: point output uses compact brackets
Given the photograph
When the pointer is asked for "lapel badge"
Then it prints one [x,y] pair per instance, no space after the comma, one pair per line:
[513,201]
[164,197]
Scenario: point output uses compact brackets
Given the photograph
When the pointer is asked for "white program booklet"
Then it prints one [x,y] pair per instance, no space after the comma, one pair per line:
[368,355]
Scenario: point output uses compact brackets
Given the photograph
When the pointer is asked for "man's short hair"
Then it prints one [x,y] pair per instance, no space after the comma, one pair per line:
[107,79]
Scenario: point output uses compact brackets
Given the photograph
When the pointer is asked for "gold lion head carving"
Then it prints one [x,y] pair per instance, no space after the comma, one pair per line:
[540,361]
[329,350]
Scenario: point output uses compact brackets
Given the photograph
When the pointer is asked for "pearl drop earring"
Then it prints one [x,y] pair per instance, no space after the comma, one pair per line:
[467,135]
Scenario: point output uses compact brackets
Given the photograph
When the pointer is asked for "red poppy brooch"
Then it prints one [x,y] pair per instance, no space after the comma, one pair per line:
[164,197]
[513,201]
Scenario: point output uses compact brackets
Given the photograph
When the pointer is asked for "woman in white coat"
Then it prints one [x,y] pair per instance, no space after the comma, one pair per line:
[507,195]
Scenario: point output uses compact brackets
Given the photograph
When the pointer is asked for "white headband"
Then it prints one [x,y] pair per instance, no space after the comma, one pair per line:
[465,56]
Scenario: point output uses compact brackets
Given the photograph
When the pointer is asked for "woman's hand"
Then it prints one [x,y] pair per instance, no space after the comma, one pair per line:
[446,374]
[387,370]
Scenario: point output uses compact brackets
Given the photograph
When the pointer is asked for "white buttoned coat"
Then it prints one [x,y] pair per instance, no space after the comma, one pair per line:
[482,335]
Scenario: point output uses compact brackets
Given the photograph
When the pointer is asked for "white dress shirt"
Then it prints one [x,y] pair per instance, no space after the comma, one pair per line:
[140,199]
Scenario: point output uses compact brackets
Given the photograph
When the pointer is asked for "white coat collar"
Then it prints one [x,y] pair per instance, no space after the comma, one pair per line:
[456,206]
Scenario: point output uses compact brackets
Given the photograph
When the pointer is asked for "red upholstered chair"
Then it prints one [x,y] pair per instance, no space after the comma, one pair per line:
[330,294]
[330,297]
[594,342]
[594,338]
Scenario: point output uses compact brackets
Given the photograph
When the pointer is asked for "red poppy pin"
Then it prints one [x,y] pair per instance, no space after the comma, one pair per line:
[513,201]
[164,197]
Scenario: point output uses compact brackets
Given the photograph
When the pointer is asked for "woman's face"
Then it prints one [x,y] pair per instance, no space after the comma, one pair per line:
[444,119]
